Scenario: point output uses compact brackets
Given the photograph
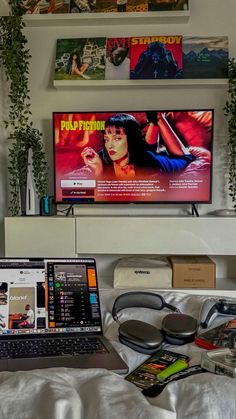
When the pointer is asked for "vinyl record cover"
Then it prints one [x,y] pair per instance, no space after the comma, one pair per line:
[117,59]
[205,57]
[156,57]
[163,5]
[45,6]
[82,6]
[121,6]
[80,59]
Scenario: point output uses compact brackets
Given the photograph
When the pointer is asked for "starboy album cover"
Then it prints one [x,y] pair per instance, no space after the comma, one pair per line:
[156,57]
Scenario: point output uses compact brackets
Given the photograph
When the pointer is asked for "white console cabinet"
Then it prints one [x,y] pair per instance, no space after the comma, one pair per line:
[67,236]
[156,235]
[39,236]
[109,237]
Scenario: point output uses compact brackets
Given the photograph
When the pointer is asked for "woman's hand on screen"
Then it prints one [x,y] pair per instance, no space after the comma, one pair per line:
[92,160]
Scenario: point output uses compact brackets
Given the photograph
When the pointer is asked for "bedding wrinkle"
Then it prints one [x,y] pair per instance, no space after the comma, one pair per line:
[206,396]
[38,394]
[112,397]
[73,394]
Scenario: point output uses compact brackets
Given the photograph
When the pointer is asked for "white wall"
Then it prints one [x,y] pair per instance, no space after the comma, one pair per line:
[208,18]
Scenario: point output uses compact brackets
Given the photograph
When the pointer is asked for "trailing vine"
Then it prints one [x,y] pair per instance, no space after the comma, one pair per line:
[14,59]
[230,112]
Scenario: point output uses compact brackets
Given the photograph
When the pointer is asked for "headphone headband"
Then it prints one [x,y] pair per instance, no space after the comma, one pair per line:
[140,299]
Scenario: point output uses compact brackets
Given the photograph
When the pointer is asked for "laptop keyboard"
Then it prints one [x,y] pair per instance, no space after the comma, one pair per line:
[32,348]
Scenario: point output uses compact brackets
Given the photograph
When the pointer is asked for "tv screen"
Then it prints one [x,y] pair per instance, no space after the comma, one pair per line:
[157,156]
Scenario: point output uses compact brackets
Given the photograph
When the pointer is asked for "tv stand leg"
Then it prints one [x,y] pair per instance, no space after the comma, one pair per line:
[70,209]
[194,210]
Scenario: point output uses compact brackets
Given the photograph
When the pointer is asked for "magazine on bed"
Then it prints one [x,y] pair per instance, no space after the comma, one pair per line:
[146,374]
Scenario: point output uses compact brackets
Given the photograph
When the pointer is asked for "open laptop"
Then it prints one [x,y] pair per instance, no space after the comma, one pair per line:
[50,316]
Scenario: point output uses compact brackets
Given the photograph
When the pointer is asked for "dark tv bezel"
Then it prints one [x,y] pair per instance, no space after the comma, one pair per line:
[70,202]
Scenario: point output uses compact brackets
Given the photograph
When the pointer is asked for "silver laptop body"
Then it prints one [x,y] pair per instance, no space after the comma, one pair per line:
[50,316]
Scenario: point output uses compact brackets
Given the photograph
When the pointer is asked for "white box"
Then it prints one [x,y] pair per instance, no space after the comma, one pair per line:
[139,272]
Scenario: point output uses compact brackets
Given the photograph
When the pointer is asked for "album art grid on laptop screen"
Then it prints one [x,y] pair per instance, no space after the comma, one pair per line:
[49,297]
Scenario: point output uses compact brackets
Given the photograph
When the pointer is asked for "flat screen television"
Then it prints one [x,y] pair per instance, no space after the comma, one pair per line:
[157,156]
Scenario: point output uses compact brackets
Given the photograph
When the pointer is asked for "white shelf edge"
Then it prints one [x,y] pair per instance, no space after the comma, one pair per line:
[224,287]
[107,18]
[129,83]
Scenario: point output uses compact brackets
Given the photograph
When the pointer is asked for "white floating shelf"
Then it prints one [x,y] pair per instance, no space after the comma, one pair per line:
[68,84]
[225,287]
[75,19]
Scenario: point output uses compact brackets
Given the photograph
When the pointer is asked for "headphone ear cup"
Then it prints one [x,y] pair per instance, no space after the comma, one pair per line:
[176,341]
[140,336]
[179,328]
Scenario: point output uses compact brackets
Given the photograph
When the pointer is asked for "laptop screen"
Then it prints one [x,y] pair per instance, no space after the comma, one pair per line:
[48,296]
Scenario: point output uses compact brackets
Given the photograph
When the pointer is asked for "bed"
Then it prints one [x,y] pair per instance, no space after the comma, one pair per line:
[63,393]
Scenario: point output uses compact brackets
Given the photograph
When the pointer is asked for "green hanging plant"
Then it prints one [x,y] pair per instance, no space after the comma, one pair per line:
[230,112]
[14,59]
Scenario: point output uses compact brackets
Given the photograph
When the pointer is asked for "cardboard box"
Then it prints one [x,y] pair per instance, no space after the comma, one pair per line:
[193,272]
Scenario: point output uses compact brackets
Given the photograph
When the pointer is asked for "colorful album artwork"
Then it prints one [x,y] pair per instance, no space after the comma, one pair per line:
[156,57]
[121,6]
[82,6]
[163,5]
[80,59]
[45,6]
[205,58]
[89,6]
[117,59]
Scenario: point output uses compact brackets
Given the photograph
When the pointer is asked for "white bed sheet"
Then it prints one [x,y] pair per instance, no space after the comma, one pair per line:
[62,393]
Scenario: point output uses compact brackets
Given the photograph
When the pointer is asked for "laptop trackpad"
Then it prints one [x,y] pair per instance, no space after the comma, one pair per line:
[39,363]
[3,365]
[110,361]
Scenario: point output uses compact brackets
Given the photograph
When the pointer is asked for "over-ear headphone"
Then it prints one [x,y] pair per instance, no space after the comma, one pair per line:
[177,328]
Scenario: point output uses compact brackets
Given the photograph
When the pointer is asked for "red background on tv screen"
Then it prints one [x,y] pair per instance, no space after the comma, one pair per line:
[166,156]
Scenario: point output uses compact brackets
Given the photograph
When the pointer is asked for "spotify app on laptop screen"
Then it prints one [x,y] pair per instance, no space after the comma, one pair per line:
[48,297]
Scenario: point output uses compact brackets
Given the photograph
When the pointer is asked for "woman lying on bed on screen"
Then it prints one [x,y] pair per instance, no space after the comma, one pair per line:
[194,127]
[126,153]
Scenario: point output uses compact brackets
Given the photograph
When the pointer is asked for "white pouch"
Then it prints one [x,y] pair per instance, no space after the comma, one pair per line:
[142,272]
